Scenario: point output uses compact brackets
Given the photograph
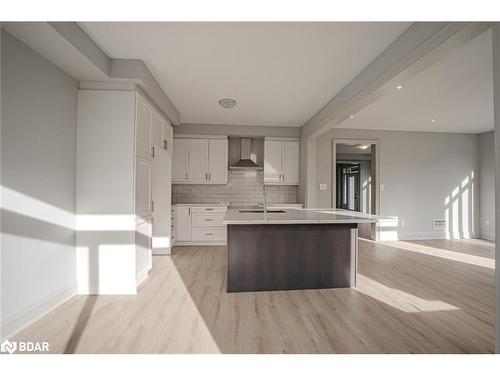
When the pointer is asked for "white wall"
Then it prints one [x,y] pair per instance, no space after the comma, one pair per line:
[423,175]
[487,185]
[39,104]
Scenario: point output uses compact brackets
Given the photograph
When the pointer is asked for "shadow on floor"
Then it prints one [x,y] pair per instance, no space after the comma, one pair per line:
[382,316]
[81,323]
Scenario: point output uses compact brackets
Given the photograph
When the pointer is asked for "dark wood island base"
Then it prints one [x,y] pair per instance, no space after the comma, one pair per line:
[291,256]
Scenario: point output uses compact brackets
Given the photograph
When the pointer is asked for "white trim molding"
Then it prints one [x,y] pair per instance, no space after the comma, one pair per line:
[15,323]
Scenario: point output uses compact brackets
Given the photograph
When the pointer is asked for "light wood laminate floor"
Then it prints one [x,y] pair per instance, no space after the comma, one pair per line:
[412,297]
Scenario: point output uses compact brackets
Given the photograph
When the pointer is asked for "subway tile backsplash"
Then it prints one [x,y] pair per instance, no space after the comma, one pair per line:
[244,189]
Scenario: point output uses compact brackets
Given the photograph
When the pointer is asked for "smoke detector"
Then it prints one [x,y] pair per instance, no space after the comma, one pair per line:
[227,103]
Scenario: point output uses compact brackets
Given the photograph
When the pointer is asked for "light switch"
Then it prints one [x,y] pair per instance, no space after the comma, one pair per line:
[382,187]
[323,186]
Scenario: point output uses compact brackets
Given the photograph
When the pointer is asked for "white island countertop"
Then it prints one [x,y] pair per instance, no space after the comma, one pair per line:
[297,216]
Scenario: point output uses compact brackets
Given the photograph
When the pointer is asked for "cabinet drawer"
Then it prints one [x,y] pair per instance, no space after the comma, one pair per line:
[208,209]
[207,220]
[209,234]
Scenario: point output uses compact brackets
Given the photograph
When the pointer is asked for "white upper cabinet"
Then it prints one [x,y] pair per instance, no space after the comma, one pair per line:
[281,162]
[156,130]
[217,161]
[143,128]
[167,136]
[290,163]
[272,161]
[199,161]
[179,160]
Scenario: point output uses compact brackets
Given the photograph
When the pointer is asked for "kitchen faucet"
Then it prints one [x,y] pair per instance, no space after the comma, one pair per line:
[264,196]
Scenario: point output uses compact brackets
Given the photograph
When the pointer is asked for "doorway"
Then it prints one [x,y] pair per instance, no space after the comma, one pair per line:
[355,185]
[348,186]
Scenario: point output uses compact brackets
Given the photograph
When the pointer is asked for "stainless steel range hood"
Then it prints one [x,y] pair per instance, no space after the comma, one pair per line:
[245,161]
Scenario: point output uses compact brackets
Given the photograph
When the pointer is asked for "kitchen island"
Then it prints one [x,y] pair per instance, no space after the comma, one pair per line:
[288,249]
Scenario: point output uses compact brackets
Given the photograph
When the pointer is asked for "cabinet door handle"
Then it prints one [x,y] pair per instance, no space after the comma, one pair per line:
[209,219]
[209,234]
[186,175]
[210,176]
[189,211]
[209,209]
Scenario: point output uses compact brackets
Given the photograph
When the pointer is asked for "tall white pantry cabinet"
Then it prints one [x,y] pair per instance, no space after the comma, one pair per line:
[123,183]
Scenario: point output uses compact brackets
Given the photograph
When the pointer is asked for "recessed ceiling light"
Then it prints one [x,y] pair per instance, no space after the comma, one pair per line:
[363,147]
[399,87]
[433,120]
[351,116]
[227,103]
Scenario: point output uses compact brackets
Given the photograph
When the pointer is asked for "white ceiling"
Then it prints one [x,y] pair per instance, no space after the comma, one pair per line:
[280,74]
[456,92]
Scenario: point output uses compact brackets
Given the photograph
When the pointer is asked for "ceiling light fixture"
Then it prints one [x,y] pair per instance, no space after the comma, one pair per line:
[227,103]
[399,87]
[433,120]
[363,147]
[351,116]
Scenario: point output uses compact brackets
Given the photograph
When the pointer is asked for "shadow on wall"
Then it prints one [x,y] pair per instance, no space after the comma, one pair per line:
[33,228]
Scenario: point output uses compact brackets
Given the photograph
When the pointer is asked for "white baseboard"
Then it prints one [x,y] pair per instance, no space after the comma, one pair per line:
[143,275]
[487,236]
[433,236]
[19,321]
[190,243]
[163,251]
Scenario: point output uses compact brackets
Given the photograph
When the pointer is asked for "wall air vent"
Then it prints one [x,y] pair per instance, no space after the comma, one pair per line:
[439,224]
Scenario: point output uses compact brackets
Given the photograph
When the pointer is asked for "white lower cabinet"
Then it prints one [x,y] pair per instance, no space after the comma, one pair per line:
[209,235]
[182,224]
[200,225]
[143,261]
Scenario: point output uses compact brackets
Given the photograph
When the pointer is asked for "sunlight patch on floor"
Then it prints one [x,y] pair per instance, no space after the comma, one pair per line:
[398,299]
[444,254]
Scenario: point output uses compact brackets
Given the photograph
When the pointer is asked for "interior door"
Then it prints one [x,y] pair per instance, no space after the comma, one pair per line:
[161,196]
[198,160]
[217,161]
[290,162]
[272,161]
[179,160]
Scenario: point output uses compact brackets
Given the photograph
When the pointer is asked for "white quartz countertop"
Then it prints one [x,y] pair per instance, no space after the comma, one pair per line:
[202,204]
[298,216]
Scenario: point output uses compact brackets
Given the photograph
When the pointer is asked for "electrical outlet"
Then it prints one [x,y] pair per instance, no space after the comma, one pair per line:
[323,186]
[382,187]
[402,222]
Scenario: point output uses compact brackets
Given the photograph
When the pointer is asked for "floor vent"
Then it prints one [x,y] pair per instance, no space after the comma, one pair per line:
[439,224]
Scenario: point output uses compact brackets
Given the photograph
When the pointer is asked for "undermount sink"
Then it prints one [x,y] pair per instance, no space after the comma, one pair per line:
[261,211]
